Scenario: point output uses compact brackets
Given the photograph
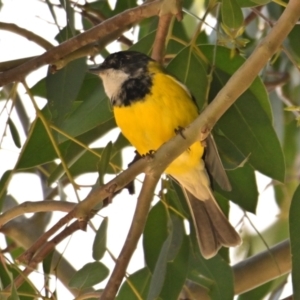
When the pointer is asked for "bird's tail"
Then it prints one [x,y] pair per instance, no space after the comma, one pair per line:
[212,227]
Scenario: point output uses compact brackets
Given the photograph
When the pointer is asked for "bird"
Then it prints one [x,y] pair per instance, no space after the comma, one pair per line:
[150,107]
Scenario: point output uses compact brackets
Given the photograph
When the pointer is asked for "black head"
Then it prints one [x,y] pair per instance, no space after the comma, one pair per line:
[130,62]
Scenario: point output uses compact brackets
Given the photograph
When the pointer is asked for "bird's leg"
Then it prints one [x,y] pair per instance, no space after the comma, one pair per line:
[149,154]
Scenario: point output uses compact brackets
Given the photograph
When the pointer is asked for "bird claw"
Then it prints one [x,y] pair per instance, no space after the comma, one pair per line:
[180,130]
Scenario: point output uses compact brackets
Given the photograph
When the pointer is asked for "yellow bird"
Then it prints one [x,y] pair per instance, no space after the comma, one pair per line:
[150,107]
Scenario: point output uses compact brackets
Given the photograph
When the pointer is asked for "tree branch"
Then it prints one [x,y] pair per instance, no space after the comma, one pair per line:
[252,272]
[135,232]
[160,38]
[262,267]
[99,32]
[26,34]
[34,206]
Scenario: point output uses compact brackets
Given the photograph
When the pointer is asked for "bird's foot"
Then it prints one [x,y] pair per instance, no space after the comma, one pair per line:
[179,130]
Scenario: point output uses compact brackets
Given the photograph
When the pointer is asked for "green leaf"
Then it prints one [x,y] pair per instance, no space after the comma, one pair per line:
[251,3]
[122,5]
[155,234]
[232,15]
[104,161]
[215,274]
[94,111]
[99,245]
[172,257]
[248,122]
[259,292]
[89,275]
[177,269]
[244,189]
[293,39]
[39,89]
[14,294]
[140,281]
[145,44]
[4,181]
[158,276]
[63,87]
[47,263]
[230,155]
[191,70]
[14,133]
[38,147]
[294,223]
[81,161]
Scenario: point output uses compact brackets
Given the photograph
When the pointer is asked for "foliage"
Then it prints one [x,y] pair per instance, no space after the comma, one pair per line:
[257,133]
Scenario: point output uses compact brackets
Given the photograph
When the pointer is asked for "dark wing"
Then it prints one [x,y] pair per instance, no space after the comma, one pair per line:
[214,164]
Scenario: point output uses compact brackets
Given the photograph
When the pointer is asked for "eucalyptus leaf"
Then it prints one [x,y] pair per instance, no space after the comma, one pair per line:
[89,275]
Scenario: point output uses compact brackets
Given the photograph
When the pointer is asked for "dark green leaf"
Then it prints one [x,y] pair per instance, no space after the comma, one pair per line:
[248,123]
[219,277]
[155,234]
[104,161]
[63,87]
[88,163]
[293,39]
[177,269]
[144,45]
[95,110]
[231,156]
[232,15]
[4,181]
[122,5]
[257,293]
[99,245]
[89,275]
[39,89]
[250,3]
[140,281]
[295,242]
[14,294]
[38,147]
[81,161]
[14,133]
[47,263]
[244,189]
[191,70]
[159,273]
[64,34]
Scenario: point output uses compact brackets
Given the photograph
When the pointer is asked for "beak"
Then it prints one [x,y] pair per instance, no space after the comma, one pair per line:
[95,69]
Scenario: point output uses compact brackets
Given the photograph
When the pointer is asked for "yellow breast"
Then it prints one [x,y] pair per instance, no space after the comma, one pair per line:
[152,121]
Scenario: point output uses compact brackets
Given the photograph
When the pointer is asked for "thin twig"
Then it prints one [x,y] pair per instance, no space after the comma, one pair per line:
[92,35]
[159,44]
[135,232]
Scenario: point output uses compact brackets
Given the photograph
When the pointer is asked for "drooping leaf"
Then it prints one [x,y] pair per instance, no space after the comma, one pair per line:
[93,111]
[295,242]
[99,245]
[215,274]
[155,234]
[232,15]
[89,275]
[63,87]
[140,281]
[248,122]
[191,70]
[38,147]
[104,161]
[14,133]
[177,268]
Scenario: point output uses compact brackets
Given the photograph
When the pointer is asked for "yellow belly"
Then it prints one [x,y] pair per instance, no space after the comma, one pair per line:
[149,123]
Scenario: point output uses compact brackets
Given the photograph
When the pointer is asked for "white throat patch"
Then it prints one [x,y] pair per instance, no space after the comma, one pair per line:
[113,81]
